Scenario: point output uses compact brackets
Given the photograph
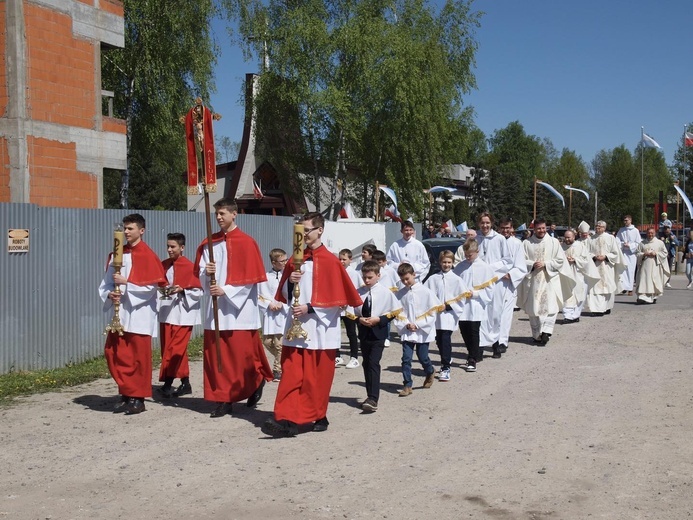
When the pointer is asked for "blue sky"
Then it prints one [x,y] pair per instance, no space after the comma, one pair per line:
[587,74]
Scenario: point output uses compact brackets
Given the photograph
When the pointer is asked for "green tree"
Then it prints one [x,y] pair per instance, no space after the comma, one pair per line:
[515,159]
[683,162]
[167,62]
[374,85]
[568,169]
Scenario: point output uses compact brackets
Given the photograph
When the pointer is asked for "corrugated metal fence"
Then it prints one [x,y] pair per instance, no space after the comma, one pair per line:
[50,311]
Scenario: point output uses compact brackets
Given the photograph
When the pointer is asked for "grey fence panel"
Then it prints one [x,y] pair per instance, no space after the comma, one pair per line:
[50,311]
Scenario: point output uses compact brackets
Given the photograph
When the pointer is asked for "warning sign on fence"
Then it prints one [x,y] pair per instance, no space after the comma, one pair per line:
[17,240]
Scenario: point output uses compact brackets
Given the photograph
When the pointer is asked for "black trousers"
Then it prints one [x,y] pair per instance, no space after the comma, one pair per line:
[372,352]
[444,344]
[350,326]
[470,336]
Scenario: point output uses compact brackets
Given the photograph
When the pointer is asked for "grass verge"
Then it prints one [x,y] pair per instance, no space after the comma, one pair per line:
[16,384]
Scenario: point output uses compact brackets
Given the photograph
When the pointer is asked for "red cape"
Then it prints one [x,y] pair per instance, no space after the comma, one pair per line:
[183,274]
[146,267]
[332,286]
[244,262]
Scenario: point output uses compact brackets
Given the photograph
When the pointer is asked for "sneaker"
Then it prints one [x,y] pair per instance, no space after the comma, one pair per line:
[277,376]
[444,375]
[353,363]
[339,362]
[369,406]
[387,343]
[405,391]
[470,366]
[689,285]
[667,285]
[496,351]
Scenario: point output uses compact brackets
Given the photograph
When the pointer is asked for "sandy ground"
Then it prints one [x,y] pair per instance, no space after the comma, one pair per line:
[598,424]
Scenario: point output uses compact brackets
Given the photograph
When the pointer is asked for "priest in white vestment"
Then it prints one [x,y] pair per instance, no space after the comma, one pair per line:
[584,272]
[653,269]
[629,236]
[607,256]
[547,285]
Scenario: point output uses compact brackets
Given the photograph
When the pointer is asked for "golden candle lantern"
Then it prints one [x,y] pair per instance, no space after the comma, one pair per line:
[296,331]
[118,242]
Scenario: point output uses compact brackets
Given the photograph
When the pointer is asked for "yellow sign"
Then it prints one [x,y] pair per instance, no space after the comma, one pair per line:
[17,240]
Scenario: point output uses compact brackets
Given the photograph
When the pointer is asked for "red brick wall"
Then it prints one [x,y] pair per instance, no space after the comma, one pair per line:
[55,180]
[3,70]
[60,70]
[113,7]
[4,171]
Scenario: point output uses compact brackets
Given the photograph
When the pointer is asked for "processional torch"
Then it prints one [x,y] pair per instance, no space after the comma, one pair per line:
[296,331]
[118,241]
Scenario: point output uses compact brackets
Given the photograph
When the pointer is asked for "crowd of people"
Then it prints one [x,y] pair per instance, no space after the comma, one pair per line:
[477,289]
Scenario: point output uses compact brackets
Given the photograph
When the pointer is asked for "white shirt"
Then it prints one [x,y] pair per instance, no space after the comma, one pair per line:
[448,288]
[238,308]
[273,322]
[137,302]
[419,306]
[479,278]
[182,308]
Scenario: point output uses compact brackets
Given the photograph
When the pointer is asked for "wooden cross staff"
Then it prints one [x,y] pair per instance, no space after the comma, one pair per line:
[202,169]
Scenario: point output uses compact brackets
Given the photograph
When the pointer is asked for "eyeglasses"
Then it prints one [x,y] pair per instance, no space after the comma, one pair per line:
[281,261]
[309,230]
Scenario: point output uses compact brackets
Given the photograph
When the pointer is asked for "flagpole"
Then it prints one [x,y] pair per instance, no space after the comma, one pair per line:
[570,204]
[596,197]
[683,219]
[377,199]
[642,177]
[534,217]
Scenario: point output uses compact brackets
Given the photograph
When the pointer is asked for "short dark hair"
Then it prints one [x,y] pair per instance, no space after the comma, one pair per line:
[371,248]
[378,256]
[506,221]
[406,224]
[346,252]
[538,221]
[178,237]
[135,218]
[370,266]
[276,254]
[316,218]
[226,203]
[405,268]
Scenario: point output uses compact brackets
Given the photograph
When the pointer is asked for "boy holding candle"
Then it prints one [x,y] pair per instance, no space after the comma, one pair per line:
[308,362]
[237,270]
[129,356]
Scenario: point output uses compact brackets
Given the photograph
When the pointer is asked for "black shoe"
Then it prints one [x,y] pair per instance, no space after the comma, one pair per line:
[369,406]
[183,389]
[566,321]
[503,348]
[255,398]
[279,428]
[167,391]
[221,410]
[496,351]
[545,337]
[540,342]
[607,312]
[321,425]
[134,406]
[122,405]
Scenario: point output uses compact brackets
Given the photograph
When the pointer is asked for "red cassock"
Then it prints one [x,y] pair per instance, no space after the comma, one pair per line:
[243,360]
[304,390]
[129,357]
[174,338]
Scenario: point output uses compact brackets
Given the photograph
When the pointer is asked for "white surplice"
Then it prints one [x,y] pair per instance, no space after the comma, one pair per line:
[450,290]
[273,322]
[183,308]
[601,296]
[653,271]
[420,307]
[478,277]
[509,283]
[411,252]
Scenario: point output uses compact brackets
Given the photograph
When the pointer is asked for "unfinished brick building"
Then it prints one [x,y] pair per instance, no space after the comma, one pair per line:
[54,139]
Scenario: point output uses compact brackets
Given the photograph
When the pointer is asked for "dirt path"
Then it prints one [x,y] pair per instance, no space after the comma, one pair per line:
[597,424]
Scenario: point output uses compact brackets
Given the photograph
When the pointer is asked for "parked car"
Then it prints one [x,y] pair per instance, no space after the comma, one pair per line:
[435,246]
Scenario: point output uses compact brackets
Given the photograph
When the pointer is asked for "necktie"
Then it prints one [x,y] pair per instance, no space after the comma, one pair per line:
[367,306]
